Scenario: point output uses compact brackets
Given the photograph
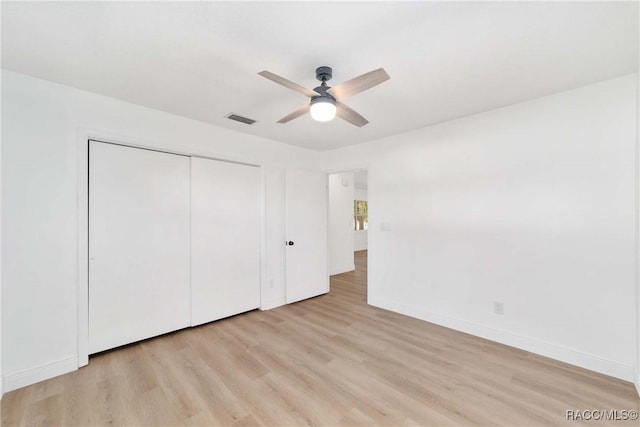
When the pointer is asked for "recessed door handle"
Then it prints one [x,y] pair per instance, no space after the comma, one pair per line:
[290,243]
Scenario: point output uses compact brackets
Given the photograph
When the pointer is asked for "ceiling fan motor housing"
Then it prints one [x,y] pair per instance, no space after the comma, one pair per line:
[324,73]
[323,98]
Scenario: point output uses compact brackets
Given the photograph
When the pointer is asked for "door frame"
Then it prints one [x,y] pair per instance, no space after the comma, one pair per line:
[82,257]
[353,168]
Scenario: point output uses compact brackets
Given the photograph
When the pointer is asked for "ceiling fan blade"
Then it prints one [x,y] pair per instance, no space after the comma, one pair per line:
[346,113]
[287,83]
[359,84]
[299,112]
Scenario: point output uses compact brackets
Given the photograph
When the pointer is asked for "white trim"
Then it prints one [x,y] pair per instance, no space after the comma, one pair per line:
[355,167]
[554,351]
[190,246]
[273,303]
[82,274]
[263,239]
[343,269]
[40,373]
[82,256]
[328,241]
[159,145]
[287,291]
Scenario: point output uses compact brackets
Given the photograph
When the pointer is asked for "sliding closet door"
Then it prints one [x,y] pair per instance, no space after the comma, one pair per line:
[138,244]
[225,239]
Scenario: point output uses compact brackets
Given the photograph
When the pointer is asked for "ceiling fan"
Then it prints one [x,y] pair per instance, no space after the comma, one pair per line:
[326,101]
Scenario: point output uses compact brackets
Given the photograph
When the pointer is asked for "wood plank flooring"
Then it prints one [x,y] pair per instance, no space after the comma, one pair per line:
[327,361]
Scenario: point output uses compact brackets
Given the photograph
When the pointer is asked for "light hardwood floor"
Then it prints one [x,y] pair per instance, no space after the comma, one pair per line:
[330,360]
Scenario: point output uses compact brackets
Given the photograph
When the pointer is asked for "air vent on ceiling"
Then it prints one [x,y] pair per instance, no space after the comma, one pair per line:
[241,119]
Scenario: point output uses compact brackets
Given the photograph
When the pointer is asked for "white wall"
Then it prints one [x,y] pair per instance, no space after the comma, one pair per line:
[360,238]
[41,123]
[341,196]
[637,179]
[531,205]
[1,386]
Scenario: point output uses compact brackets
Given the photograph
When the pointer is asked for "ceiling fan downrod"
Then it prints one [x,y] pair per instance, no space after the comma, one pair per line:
[323,74]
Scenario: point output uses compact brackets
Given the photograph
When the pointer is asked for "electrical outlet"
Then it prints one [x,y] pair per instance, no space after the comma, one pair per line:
[271,283]
[498,307]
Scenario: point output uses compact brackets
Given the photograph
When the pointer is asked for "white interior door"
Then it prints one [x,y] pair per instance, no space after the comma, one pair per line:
[225,242]
[138,244]
[306,218]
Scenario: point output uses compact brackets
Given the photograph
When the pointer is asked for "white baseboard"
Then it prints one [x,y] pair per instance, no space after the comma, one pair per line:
[1,388]
[40,373]
[553,351]
[342,269]
[273,303]
[637,380]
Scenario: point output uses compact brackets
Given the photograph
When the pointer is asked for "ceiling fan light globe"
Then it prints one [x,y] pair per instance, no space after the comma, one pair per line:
[323,109]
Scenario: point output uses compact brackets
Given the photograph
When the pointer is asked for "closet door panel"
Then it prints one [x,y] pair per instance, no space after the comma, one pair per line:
[139,244]
[225,239]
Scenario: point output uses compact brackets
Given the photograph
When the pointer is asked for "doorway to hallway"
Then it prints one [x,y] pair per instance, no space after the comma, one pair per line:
[348,229]
[352,285]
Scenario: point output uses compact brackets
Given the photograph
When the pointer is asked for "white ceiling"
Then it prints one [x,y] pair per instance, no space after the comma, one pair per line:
[200,60]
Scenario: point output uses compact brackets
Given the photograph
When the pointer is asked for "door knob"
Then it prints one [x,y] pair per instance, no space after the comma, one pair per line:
[290,243]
